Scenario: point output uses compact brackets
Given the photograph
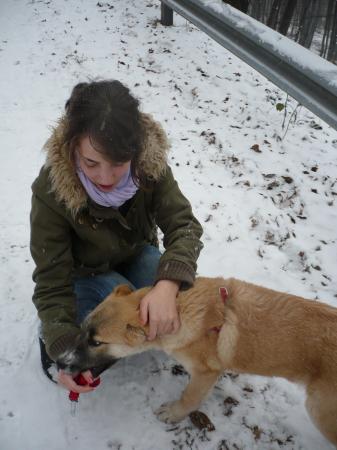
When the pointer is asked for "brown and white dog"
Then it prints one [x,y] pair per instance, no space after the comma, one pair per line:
[244,329]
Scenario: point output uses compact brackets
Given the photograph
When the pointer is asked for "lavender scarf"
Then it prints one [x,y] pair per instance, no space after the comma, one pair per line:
[124,190]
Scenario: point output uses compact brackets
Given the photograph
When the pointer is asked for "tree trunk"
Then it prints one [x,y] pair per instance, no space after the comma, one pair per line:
[287,16]
[274,13]
[260,9]
[255,9]
[312,23]
[327,28]
[242,5]
[332,51]
[308,23]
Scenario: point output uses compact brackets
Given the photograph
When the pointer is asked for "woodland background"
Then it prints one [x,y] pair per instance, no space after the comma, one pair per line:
[311,23]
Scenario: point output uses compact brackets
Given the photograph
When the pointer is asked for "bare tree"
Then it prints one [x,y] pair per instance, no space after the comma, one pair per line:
[274,14]
[287,16]
[332,50]
[259,9]
[242,5]
[308,24]
[327,27]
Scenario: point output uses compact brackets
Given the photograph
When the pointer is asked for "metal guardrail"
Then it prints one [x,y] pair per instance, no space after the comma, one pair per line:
[309,79]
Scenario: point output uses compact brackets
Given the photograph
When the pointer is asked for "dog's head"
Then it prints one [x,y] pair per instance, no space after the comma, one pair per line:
[110,332]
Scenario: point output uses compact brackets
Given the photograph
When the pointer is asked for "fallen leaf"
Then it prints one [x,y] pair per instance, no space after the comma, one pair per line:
[256,148]
[288,179]
[201,421]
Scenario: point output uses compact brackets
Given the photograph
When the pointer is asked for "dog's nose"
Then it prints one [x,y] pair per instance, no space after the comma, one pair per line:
[69,368]
[60,365]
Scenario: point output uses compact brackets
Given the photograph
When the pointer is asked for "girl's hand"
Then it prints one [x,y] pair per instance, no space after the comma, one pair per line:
[159,308]
[68,382]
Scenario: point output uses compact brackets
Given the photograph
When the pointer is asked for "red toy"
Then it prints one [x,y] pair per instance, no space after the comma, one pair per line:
[81,381]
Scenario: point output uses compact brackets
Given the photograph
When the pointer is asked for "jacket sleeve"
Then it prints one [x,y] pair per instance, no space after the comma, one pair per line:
[53,295]
[182,232]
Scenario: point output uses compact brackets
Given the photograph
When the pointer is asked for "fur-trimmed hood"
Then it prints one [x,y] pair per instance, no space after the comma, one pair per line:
[65,183]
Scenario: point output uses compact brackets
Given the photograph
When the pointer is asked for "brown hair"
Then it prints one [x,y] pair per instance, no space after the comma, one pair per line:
[109,114]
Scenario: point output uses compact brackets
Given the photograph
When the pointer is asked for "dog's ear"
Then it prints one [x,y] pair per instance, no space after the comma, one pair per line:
[135,335]
[122,289]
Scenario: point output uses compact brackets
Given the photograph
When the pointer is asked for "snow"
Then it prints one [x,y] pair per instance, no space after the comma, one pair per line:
[265,196]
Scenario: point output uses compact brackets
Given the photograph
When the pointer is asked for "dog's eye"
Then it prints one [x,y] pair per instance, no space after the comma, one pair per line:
[94,343]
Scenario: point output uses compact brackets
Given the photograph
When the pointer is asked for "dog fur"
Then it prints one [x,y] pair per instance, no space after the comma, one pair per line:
[255,331]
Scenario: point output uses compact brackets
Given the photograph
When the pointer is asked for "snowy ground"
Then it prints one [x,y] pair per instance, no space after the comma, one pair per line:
[266,199]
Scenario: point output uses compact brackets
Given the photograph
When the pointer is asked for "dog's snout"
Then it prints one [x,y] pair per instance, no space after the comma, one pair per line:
[60,365]
[69,368]
[70,360]
[83,355]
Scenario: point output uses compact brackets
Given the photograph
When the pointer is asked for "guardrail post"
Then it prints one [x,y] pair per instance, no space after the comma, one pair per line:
[166,15]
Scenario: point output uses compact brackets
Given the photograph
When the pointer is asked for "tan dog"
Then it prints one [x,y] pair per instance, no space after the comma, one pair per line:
[254,330]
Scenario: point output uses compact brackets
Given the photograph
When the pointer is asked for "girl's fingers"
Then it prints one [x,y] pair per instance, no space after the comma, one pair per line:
[176,325]
[153,330]
[68,382]
[87,375]
[144,312]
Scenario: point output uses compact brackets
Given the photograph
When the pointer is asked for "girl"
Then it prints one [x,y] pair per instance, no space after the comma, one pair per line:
[96,205]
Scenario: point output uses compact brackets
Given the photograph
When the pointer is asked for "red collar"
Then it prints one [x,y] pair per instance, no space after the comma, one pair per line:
[224,295]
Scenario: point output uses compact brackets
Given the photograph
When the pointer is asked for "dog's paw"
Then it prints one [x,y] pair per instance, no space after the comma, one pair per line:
[171,412]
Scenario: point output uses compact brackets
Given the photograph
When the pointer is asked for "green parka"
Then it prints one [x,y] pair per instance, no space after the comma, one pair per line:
[72,236]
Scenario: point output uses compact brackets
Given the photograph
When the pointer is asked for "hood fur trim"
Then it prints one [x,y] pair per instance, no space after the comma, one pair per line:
[65,183]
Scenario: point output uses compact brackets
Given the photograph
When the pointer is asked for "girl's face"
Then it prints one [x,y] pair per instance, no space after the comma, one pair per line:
[102,172]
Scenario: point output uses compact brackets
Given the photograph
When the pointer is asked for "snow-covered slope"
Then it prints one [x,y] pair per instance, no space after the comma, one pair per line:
[264,193]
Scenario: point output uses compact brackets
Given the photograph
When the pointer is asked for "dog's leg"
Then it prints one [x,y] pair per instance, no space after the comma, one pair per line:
[322,407]
[198,387]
